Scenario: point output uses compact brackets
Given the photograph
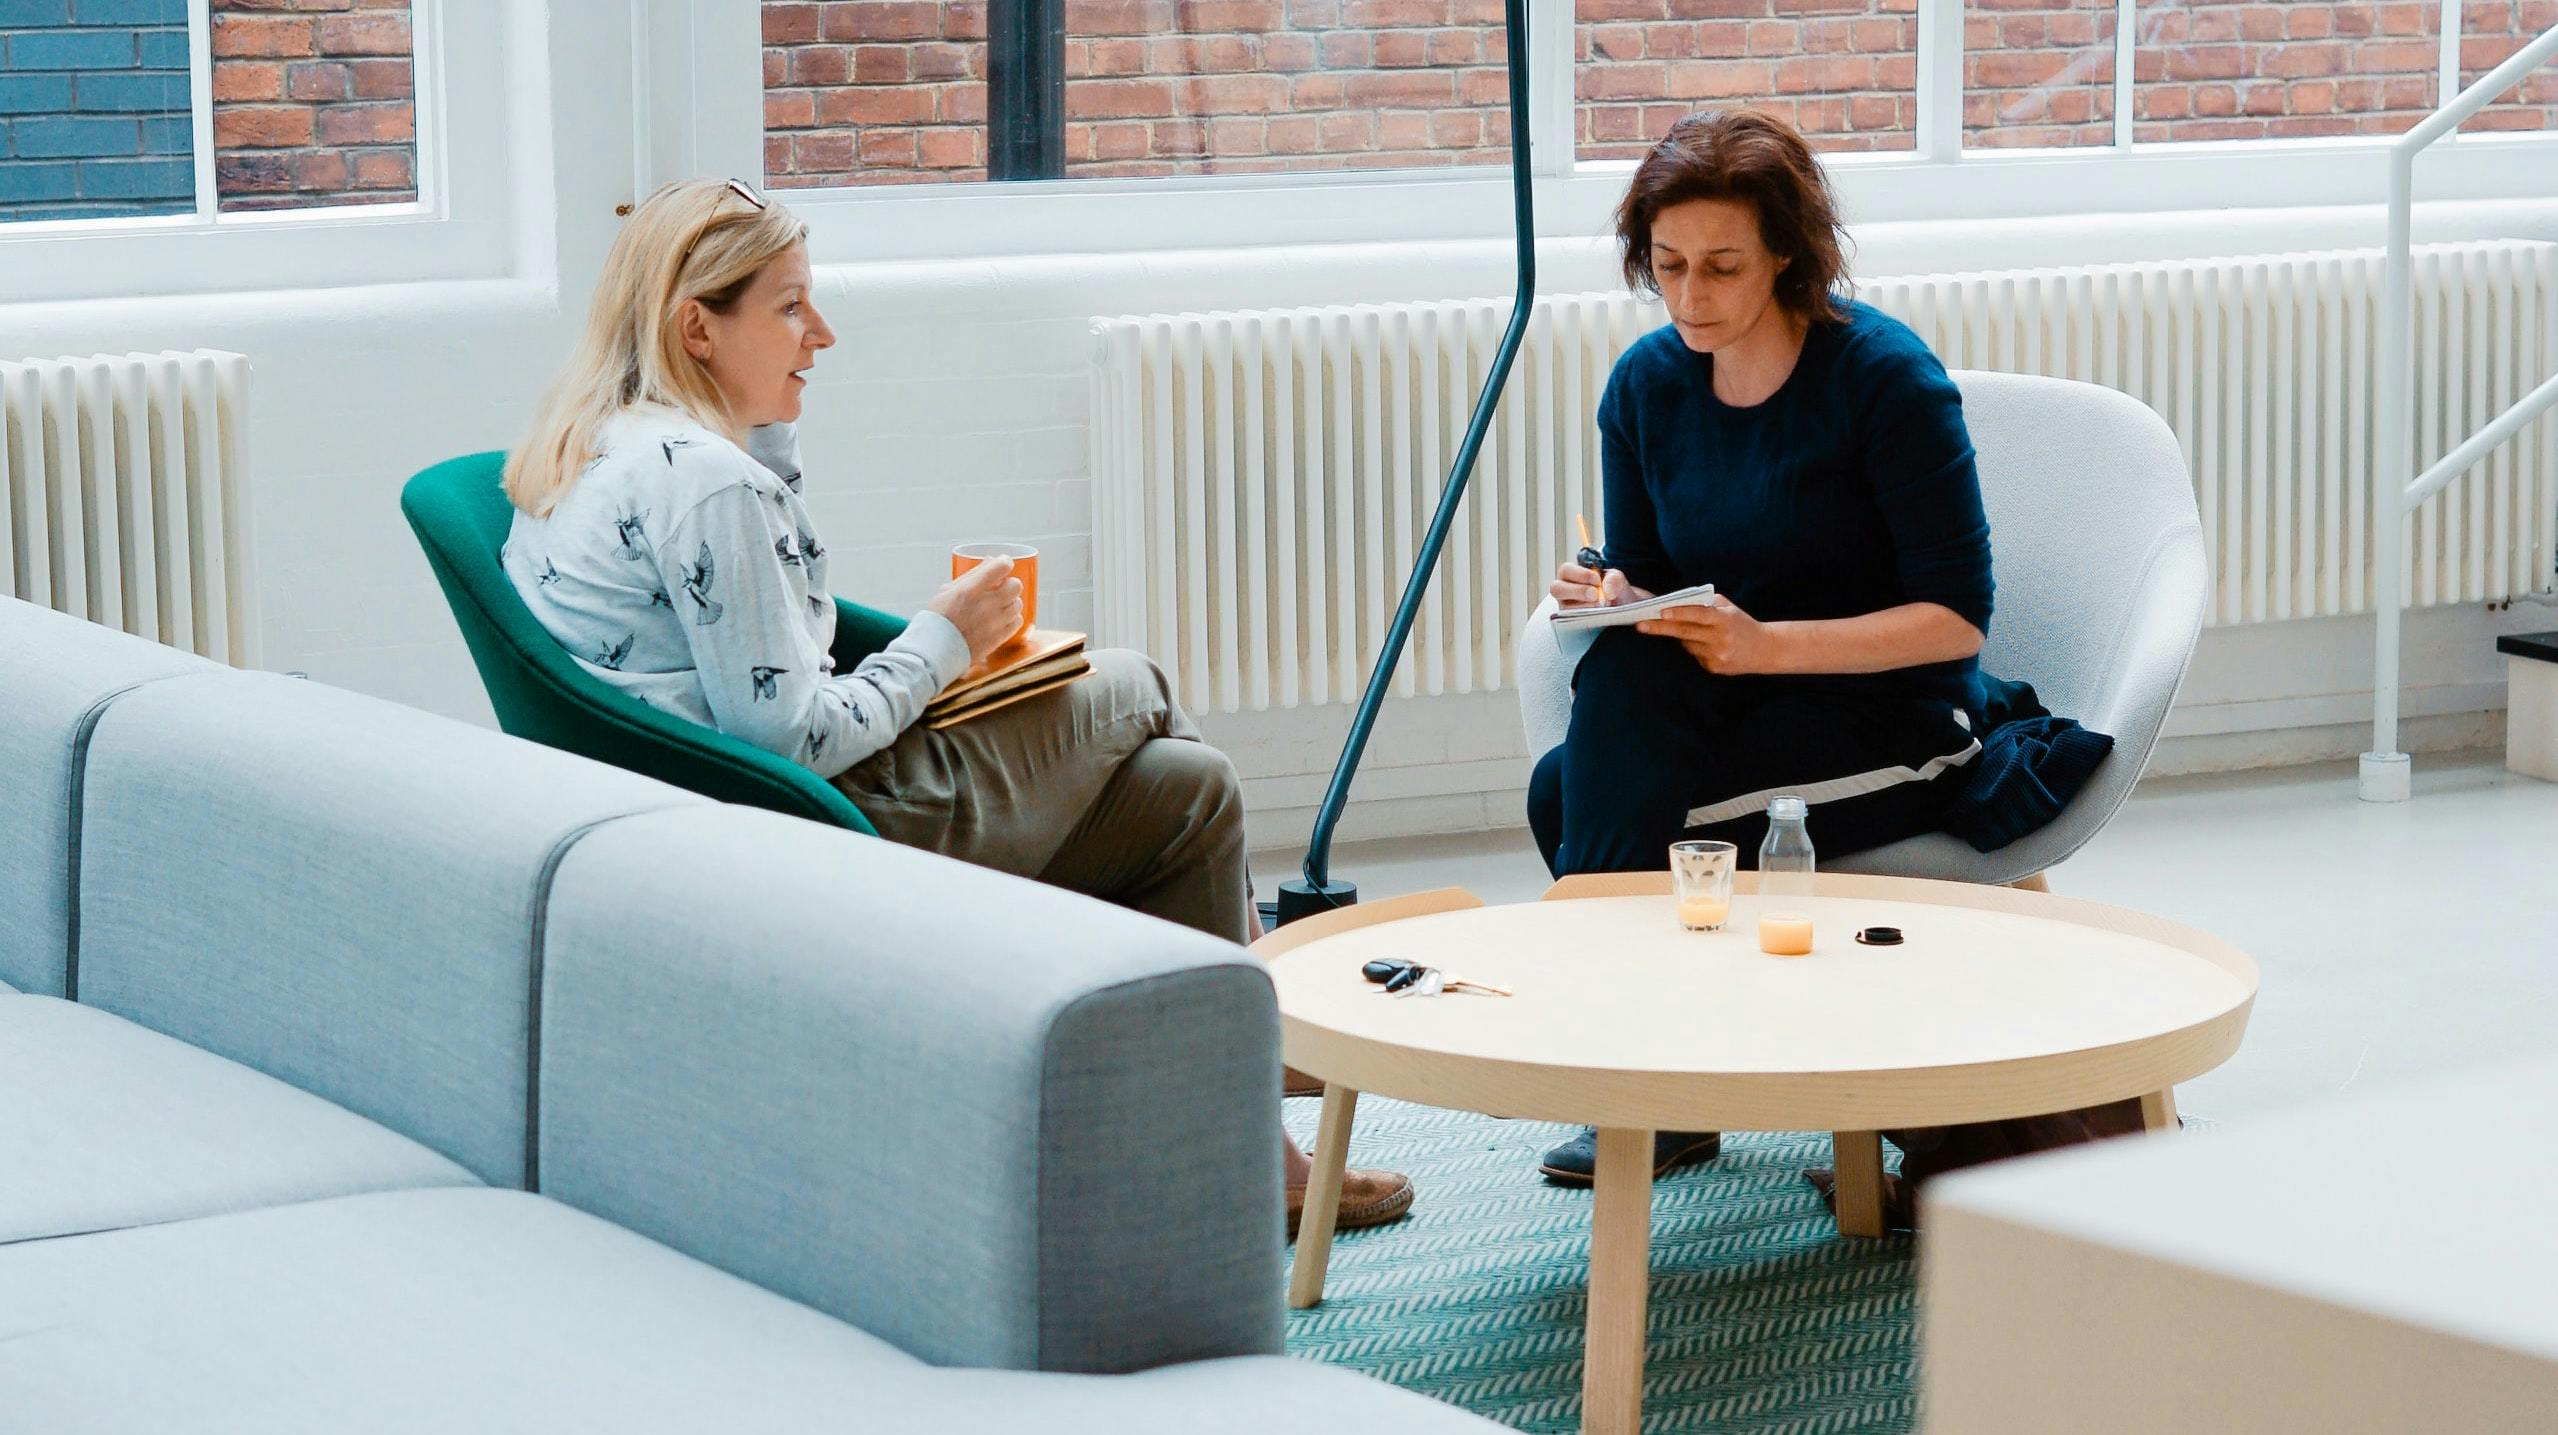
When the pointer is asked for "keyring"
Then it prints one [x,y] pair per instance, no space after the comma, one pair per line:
[1396,975]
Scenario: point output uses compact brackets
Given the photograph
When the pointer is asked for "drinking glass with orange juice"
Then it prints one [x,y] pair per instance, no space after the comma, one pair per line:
[1701,874]
[1025,567]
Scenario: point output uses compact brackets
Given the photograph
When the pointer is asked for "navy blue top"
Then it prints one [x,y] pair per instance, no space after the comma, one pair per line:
[1849,491]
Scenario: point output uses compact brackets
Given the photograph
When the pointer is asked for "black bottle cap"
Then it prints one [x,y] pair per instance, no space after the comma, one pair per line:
[1880,936]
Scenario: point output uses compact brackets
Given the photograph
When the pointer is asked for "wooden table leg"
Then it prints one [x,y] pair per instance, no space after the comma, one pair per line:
[2158,1110]
[1323,1198]
[1620,1284]
[1856,1163]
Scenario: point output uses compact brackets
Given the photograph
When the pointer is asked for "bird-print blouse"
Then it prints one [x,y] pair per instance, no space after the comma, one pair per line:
[684,571]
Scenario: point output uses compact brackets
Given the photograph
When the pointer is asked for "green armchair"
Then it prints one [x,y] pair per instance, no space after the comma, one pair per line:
[460,514]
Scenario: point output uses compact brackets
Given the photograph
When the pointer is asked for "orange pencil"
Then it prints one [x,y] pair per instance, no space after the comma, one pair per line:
[1589,557]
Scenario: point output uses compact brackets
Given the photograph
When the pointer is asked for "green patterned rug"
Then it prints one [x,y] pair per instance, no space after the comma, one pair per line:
[1762,1319]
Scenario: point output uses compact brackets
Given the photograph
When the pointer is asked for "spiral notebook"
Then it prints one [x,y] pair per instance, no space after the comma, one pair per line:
[1618,615]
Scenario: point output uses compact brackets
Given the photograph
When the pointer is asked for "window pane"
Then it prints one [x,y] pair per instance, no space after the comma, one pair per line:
[2490,32]
[315,104]
[895,91]
[2038,73]
[2219,71]
[1845,72]
[95,111]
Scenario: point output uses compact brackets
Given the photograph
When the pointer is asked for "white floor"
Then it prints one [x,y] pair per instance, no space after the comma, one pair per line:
[2394,941]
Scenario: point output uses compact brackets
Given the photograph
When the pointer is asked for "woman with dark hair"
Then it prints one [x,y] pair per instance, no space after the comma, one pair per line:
[1806,455]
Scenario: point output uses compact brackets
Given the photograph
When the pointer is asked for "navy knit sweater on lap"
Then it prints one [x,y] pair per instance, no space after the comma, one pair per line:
[1849,491]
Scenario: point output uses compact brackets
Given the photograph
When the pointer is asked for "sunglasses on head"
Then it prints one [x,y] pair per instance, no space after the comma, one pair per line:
[743,191]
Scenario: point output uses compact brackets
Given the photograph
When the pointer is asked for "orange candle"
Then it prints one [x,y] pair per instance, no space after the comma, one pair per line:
[1703,914]
[1785,934]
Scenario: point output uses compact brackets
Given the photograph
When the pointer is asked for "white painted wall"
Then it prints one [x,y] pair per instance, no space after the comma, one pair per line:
[955,408]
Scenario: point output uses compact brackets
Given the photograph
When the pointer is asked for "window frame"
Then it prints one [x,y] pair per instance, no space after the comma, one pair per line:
[1939,175]
[456,228]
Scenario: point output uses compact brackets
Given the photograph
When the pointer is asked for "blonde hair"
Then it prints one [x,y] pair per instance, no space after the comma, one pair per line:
[702,239]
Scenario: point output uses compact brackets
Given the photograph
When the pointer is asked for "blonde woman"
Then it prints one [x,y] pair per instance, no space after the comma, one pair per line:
[660,536]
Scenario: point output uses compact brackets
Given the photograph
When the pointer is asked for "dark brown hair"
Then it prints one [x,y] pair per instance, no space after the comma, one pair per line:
[1763,162]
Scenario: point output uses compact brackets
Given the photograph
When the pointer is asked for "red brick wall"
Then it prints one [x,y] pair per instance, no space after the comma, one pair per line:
[884,91]
[893,91]
[2490,31]
[2223,71]
[2038,73]
[314,103]
[1845,72]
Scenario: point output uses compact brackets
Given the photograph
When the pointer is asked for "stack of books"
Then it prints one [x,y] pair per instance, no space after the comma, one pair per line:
[1041,660]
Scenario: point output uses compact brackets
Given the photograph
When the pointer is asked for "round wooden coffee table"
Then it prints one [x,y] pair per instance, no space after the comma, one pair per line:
[2000,1003]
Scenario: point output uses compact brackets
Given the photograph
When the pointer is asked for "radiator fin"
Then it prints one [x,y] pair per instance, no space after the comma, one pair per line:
[122,495]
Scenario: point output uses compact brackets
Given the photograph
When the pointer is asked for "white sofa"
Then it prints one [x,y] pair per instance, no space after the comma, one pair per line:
[2366,1267]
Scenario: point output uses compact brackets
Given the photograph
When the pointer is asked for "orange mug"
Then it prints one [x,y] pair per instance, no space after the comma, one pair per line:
[1025,567]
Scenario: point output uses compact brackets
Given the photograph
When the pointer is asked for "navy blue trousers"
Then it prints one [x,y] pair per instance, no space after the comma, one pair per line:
[1659,750]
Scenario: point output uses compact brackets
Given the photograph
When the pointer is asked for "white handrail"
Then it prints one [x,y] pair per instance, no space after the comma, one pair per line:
[2385,770]
[2482,443]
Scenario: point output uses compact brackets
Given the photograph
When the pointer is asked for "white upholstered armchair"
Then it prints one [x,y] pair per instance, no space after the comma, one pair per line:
[2098,554]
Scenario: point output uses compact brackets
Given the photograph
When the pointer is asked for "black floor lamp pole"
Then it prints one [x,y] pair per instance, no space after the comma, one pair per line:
[1316,891]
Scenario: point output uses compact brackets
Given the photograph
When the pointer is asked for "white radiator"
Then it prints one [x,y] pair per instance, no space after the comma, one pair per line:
[1262,479]
[123,495]
[2264,368]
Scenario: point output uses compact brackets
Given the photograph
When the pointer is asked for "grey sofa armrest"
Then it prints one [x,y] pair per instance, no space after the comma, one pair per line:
[996,1123]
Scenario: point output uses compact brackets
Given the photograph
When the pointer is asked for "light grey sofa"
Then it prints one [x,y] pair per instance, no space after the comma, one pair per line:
[361,1070]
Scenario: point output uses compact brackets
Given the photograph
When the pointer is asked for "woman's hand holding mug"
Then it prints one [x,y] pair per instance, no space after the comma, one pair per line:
[984,604]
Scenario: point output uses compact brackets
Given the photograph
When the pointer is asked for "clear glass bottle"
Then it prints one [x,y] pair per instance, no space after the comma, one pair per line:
[1785,857]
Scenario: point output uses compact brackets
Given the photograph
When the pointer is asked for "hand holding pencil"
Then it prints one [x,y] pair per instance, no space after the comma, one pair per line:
[1587,579]
[1589,557]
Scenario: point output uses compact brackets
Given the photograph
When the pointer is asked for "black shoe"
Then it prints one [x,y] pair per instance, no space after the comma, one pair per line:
[1900,1200]
[1574,1162]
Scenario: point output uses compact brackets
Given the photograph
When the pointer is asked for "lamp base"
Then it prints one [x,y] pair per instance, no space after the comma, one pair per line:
[2385,777]
[1300,898]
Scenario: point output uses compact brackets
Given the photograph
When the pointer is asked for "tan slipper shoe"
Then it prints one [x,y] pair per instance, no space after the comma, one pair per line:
[1368,1198]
